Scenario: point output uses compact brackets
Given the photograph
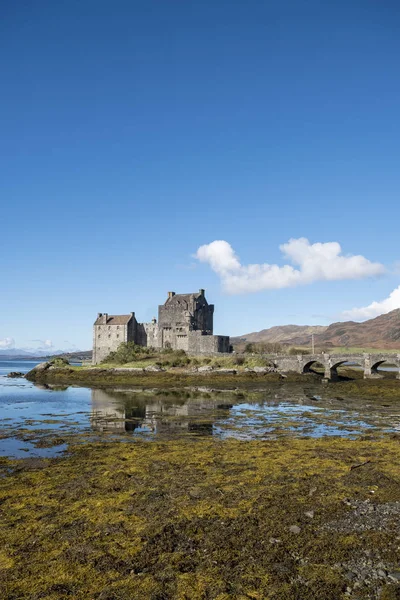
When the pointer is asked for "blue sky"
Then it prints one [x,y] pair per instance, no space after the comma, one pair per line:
[134,133]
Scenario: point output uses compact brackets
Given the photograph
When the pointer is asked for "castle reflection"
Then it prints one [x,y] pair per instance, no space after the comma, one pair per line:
[158,412]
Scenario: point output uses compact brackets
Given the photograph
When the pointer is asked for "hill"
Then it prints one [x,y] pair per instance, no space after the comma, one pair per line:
[380,332]
[282,334]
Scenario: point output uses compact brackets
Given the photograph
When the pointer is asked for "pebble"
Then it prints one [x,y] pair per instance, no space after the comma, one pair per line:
[294,529]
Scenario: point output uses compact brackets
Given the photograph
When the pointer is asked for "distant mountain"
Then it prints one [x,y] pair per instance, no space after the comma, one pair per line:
[381,332]
[282,334]
[12,353]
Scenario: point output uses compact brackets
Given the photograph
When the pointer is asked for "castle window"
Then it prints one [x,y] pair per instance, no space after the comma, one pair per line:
[99,336]
[117,335]
[109,335]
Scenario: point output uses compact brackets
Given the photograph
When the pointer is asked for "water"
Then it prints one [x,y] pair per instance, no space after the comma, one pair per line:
[40,420]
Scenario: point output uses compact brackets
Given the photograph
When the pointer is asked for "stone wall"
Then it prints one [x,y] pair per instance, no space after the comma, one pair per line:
[198,343]
[107,338]
[148,335]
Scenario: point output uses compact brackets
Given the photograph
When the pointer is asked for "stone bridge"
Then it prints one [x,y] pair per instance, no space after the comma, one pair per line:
[304,363]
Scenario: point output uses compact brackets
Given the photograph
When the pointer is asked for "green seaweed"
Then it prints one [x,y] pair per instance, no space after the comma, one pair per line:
[191,520]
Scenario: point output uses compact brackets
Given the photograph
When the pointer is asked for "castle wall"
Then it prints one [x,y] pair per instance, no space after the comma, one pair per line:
[148,335]
[173,315]
[204,318]
[207,344]
[107,338]
[182,342]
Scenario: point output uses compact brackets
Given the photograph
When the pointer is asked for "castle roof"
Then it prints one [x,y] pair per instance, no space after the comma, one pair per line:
[185,297]
[114,320]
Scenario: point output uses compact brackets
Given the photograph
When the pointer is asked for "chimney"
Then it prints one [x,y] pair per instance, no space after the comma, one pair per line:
[171,294]
[201,292]
[99,315]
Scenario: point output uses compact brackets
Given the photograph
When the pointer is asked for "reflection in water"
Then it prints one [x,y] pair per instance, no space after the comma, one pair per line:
[154,411]
[46,416]
[243,414]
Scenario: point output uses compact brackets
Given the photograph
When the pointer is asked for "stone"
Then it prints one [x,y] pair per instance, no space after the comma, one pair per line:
[42,366]
[129,370]
[153,369]
[15,374]
[260,370]
[294,529]
[204,369]
[227,371]
[309,514]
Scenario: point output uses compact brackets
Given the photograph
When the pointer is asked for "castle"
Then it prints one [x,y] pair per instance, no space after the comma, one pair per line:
[185,322]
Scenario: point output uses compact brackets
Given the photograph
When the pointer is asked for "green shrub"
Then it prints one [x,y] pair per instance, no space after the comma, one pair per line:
[129,352]
[59,362]
[239,360]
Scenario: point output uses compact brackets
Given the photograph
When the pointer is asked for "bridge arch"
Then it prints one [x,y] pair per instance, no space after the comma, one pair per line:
[389,362]
[311,365]
[335,364]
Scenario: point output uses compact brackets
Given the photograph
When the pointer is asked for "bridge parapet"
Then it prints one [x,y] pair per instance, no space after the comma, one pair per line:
[368,362]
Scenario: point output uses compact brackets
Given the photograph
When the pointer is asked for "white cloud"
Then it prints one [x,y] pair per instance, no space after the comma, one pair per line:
[314,262]
[375,308]
[7,342]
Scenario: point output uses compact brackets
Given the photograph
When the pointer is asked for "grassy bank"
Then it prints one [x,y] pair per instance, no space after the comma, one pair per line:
[174,376]
[300,519]
[179,377]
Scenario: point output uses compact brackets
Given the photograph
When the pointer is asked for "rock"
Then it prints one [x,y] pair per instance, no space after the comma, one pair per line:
[205,369]
[153,369]
[15,374]
[294,529]
[381,573]
[260,370]
[274,541]
[42,366]
[37,371]
[309,514]
[227,371]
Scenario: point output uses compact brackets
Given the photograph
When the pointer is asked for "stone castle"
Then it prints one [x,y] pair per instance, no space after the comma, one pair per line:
[185,322]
